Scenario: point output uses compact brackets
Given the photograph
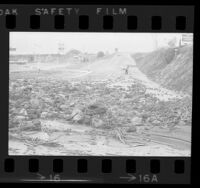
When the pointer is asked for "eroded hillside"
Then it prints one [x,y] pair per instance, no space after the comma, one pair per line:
[171,69]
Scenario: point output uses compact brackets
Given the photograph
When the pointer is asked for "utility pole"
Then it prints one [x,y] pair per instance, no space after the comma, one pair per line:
[61,48]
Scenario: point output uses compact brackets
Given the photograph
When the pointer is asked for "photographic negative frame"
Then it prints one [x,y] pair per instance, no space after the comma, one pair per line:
[91,19]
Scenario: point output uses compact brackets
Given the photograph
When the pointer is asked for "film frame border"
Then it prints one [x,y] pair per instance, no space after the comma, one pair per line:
[100,18]
[104,178]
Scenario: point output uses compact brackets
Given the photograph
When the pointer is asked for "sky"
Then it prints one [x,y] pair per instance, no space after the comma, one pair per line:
[48,42]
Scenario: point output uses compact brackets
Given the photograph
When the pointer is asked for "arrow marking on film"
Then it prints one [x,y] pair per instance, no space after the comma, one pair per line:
[41,176]
[130,177]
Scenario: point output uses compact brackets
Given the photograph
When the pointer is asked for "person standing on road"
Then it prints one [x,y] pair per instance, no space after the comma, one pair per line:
[126,69]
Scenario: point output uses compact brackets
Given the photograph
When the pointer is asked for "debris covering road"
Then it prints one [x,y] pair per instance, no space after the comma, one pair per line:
[95,110]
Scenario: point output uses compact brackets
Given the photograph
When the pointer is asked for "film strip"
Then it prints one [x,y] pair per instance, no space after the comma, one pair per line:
[22,162]
[99,19]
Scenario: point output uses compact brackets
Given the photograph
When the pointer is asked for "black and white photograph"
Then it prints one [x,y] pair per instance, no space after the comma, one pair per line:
[100,94]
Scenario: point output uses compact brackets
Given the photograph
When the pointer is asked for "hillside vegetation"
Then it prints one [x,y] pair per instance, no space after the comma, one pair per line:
[173,71]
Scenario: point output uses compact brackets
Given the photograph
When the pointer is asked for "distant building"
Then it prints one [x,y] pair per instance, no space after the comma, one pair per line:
[12,50]
[186,39]
[172,41]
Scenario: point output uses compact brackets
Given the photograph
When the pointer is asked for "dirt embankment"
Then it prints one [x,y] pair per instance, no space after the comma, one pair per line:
[171,69]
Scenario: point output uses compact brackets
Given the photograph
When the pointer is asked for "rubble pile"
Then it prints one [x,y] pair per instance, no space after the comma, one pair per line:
[92,104]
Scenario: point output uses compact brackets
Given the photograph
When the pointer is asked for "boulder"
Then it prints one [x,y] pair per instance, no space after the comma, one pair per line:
[131,129]
[95,109]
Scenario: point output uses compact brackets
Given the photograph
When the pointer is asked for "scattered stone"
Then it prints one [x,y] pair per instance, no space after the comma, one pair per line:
[49,99]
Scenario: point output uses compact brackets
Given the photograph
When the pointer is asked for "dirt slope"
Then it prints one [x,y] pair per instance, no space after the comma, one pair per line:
[170,70]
